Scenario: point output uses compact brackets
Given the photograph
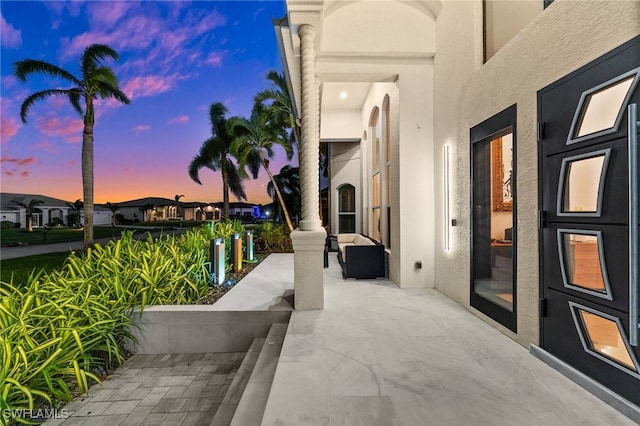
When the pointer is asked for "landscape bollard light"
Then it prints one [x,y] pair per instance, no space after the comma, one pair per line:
[236,252]
[250,246]
[217,260]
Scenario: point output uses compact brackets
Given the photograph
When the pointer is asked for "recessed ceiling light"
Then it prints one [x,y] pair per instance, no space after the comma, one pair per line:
[343,95]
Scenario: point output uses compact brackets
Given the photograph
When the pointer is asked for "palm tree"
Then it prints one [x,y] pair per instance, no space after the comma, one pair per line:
[95,81]
[77,206]
[114,208]
[277,104]
[255,144]
[31,207]
[215,154]
[178,208]
[288,180]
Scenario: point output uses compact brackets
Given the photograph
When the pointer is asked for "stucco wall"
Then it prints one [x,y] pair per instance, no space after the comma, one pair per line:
[564,37]
[345,169]
[340,124]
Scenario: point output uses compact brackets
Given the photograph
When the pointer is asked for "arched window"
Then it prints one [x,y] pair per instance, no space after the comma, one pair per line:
[376,175]
[346,209]
[386,135]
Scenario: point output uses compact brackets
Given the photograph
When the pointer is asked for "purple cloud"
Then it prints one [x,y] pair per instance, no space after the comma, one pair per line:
[178,120]
[10,37]
[142,128]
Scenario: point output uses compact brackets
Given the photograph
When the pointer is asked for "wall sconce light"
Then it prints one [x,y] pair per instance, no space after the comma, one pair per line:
[447,213]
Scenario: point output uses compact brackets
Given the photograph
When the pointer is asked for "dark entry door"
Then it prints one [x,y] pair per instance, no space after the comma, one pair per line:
[584,174]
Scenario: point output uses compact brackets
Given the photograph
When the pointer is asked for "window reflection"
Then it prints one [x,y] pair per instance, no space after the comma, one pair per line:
[582,262]
[605,338]
[493,221]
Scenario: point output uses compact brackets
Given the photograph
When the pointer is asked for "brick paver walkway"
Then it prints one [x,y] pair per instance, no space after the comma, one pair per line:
[178,389]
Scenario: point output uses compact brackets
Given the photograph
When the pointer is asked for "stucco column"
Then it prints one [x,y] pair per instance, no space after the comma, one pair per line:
[309,239]
[310,144]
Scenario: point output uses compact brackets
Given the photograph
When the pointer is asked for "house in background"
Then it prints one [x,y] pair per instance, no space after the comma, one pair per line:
[485,144]
[52,210]
[158,208]
[148,209]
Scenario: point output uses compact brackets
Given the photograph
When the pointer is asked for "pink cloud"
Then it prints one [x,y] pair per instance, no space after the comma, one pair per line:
[214,59]
[142,128]
[148,85]
[17,161]
[179,119]
[10,37]
[106,14]
[8,129]
[44,145]
[67,127]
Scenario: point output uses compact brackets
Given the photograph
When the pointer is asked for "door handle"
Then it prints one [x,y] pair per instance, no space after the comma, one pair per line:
[634,323]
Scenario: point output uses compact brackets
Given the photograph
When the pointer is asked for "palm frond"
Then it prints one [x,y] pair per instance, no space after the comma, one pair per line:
[74,98]
[40,96]
[93,55]
[21,69]
[234,180]
[194,169]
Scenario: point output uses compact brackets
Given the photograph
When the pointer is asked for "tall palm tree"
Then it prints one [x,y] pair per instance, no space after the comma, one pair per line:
[277,104]
[178,207]
[254,147]
[31,207]
[288,180]
[95,81]
[216,154]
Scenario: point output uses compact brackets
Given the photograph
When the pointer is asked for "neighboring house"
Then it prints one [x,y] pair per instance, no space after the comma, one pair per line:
[148,209]
[157,208]
[485,145]
[49,212]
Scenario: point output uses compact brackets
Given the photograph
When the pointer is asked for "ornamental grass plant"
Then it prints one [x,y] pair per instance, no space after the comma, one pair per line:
[59,328]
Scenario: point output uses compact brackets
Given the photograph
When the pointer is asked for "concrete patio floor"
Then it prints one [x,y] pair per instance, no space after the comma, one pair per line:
[380,355]
[376,355]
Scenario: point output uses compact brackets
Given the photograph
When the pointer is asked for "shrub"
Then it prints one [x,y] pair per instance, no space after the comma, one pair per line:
[6,224]
[274,238]
[57,326]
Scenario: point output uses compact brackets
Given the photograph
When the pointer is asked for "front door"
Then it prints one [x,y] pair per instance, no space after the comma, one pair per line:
[585,234]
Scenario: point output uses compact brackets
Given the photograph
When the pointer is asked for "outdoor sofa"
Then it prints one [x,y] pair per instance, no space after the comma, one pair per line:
[360,256]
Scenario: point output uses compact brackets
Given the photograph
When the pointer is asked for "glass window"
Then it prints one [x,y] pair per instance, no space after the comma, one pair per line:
[493,187]
[493,223]
[602,336]
[600,109]
[582,183]
[582,262]
[347,209]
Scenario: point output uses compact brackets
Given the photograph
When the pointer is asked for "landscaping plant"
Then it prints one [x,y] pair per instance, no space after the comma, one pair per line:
[59,326]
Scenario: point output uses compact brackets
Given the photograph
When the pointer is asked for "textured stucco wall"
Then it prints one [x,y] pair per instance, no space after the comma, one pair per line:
[561,39]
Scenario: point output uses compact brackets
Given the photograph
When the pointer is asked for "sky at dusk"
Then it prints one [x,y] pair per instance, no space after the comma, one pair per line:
[176,59]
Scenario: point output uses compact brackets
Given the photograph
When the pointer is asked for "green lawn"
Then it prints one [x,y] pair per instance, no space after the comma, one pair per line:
[12,236]
[21,267]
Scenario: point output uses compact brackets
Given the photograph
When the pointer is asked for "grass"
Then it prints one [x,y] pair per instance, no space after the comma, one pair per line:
[13,236]
[20,268]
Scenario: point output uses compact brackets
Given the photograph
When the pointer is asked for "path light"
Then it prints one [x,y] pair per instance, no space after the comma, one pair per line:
[217,260]
[250,246]
[236,252]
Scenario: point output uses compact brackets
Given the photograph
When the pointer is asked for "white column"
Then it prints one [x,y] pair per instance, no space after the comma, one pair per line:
[310,145]
[309,239]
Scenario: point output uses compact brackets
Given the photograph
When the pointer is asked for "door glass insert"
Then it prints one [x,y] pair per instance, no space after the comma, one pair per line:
[603,336]
[582,262]
[493,220]
[582,183]
[601,108]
